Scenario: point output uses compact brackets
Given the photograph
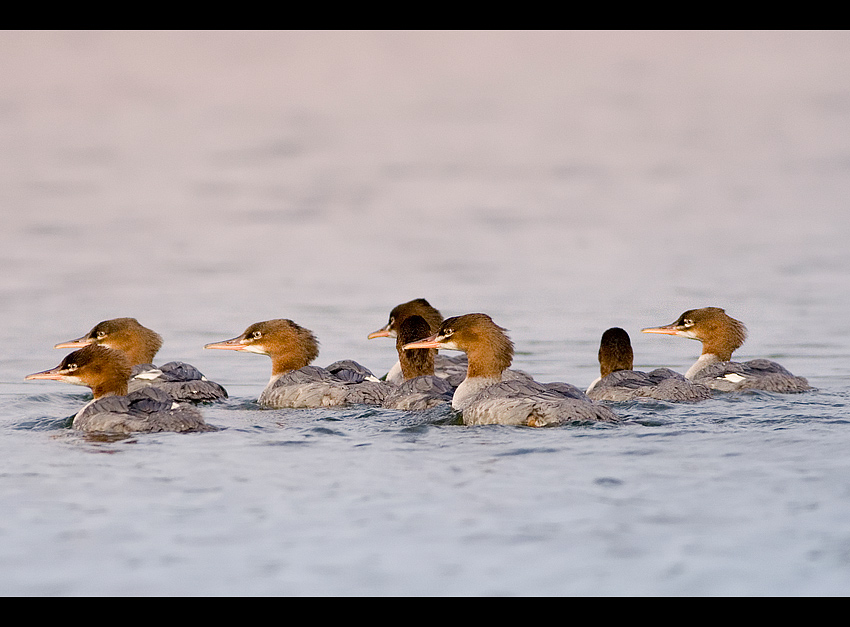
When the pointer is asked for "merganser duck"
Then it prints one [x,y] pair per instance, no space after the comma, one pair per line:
[721,335]
[486,397]
[450,367]
[180,380]
[113,410]
[294,382]
[617,380]
[421,388]
[416,307]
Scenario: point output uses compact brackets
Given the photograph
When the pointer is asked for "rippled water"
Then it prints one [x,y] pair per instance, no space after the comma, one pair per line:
[561,182]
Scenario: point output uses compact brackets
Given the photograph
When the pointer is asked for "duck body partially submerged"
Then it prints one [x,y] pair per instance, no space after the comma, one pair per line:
[487,397]
[450,367]
[420,388]
[115,410]
[295,383]
[618,381]
[181,381]
[721,335]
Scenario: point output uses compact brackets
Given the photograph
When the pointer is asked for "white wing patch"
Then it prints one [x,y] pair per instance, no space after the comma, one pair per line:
[734,378]
[149,375]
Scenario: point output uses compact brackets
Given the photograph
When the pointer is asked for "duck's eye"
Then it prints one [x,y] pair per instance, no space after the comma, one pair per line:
[256,335]
[392,320]
[687,322]
[71,367]
[448,333]
[101,335]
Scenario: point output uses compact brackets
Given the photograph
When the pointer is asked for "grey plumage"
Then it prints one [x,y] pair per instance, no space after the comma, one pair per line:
[452,368]
[526,402]
[146,410]
[423,392]
[182,381]
[312,386]
[566,389]
[756,374]
[659,384]
[350,371]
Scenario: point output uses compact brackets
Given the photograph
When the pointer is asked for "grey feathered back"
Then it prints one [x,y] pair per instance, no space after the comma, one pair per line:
[146,410]
[181,381]
[418,393]
[660,384]
[526,402]
[756,374]
[312,386]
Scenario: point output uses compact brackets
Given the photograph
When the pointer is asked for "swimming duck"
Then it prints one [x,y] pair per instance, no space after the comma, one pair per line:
[721,335]
[180,380]
[421,388]
[485,397]
[113,409]
[446,366]
[294,383]
[619,382]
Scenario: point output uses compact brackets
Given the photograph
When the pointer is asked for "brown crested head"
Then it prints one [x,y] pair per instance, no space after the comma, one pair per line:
[719,333]
[615,351]
[289,345]
[416,307]
[105,370]
[414,362]
[488,348]
[137,342]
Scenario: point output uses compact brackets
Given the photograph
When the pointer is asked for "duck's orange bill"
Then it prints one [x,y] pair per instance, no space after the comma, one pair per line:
[228,345]
[428,342]
[670,329]
[53,374]
[78,343]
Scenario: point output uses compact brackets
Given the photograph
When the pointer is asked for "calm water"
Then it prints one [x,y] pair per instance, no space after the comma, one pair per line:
[561,182]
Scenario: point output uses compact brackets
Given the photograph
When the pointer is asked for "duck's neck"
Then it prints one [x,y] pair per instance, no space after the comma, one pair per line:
[416,362]
[607,367]
[488,361]
[485,368]
[615,353]
[721,338]
[109,387]
[287,362]
[704,360]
